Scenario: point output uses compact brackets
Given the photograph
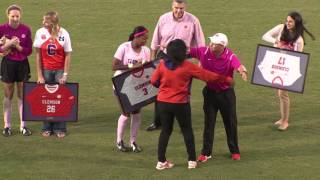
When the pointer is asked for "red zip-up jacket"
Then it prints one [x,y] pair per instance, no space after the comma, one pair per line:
[175,84]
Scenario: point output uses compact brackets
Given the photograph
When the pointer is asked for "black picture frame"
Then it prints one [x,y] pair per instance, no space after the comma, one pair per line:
[125,99]
[283,74]
[34,102]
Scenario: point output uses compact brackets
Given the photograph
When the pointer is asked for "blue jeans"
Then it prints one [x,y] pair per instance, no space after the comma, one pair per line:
[53,76]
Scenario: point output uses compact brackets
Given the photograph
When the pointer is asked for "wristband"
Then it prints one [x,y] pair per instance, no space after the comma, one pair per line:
[65,74]
[130,65]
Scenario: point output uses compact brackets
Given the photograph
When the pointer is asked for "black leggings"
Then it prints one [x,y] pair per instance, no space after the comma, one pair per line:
[156,120]
[168,111]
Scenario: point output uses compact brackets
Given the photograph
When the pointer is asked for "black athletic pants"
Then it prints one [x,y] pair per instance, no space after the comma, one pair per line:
[225,102]
[168,111]
[156,120]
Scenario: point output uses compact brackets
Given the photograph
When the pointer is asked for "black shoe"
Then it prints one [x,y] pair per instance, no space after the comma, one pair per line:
[6,132]
[122,147]
[25,131]
[153,127]
[135,147]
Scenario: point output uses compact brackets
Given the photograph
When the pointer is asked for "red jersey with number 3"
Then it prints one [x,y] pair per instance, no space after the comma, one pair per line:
[51,100]
[52,51]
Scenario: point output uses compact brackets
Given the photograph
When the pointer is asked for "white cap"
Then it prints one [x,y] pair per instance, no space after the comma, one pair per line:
[219,38]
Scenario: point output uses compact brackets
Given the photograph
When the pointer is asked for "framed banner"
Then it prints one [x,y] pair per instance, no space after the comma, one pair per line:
[50,102]
[133,87]
[279,68]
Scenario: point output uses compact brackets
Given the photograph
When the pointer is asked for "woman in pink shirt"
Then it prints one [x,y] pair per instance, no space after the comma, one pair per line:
[129,55]
[287,36]
[15,48]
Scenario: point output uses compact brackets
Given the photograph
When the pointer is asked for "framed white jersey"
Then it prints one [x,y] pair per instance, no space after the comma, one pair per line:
[133,87]
[280,68]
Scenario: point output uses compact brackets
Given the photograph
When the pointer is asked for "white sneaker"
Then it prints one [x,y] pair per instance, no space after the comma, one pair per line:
[192,164]
[164,165]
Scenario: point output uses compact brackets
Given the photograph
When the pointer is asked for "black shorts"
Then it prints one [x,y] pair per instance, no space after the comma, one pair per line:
[14,71]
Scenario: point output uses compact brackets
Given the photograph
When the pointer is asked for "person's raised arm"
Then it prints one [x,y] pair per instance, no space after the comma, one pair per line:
[271,35]
[118,65]
[155,78]
[243,72]
[208,76]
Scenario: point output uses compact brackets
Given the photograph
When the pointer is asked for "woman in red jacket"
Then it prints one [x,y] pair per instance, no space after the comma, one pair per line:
[173,76]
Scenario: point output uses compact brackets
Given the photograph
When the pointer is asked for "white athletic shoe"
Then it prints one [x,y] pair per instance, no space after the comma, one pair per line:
[192,164]
[164,165]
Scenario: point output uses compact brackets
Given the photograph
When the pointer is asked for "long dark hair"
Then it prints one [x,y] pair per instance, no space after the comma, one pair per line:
[177,51]
[299,29]
[136,31]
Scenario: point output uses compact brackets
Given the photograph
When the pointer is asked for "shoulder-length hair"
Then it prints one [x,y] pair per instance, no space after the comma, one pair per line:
[177,51]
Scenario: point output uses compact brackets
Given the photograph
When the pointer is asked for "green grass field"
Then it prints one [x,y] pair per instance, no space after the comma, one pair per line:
[97,27]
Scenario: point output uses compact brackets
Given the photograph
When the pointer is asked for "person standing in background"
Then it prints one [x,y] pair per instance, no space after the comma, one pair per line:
[176,24]
[130,54]
[15,49]
[290,36]
[53,57]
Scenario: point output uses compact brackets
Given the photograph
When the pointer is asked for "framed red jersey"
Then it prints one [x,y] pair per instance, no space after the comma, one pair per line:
[50,102]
